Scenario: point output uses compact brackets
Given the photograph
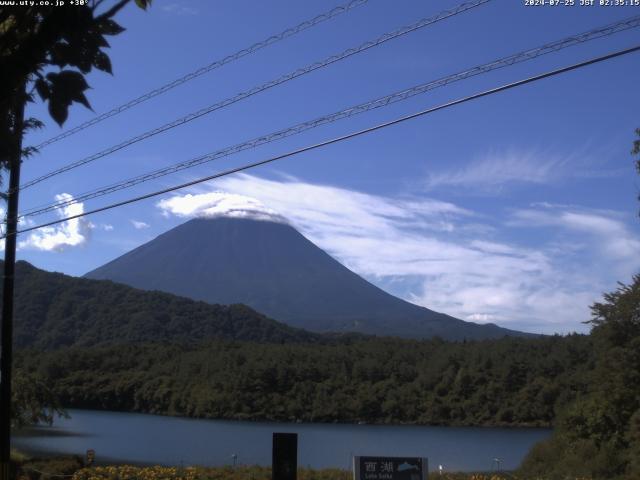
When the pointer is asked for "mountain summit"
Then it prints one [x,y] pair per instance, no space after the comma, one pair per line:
[274,269]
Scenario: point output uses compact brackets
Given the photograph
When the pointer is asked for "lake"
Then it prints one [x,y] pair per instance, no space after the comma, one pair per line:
[139,438]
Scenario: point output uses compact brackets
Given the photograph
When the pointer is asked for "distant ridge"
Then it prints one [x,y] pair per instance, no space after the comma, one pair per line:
[274,269]
[53,310]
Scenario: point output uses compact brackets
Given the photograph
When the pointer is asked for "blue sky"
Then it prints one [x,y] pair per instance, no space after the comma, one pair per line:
[519,208]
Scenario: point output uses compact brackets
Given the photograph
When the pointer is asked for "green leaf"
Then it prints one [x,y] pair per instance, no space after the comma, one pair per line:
[109,27]
[66,87]
[143,4]
[80,98]
[85,61]
[29,152]
[100,41]
[67,81]
[101,62]
[58,111]
[33,123]
[62,54]
[42,87]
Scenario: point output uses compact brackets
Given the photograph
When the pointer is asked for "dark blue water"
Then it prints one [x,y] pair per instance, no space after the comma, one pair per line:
[174,441]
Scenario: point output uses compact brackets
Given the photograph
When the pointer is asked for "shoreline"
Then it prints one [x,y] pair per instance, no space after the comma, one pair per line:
[354,423]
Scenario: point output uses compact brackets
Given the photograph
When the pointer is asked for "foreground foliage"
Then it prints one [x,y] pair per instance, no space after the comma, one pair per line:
[32,401]
[244,473]
[46,468]
[128,472]
[72,467]
[598,435]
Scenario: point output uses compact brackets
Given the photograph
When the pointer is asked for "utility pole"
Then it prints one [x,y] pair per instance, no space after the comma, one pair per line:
[8,281]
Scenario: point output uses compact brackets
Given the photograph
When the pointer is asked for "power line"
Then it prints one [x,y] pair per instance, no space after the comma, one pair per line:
[261,88]
[345,113]
[342,138]
[402,95]
[289,32]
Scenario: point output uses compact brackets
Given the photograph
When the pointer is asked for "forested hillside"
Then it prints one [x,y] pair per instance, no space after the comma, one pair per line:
[53,310]
[500,382]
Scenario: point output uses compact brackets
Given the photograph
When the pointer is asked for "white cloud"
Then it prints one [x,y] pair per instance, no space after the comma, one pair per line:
[607,232]
[218,204]
[496,170]
[138,225]
[107,227]
[448,254]
[480,318]
[70,233]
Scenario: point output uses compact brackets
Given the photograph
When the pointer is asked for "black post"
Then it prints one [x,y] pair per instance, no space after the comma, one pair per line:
[7,287]
[284,460]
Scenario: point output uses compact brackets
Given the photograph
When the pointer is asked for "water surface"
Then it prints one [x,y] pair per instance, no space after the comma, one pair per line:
[162,440]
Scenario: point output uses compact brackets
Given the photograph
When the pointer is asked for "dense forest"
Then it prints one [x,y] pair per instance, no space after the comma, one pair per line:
[500,382]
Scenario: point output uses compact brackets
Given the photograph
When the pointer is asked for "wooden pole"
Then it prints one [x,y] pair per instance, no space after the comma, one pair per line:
[8,284]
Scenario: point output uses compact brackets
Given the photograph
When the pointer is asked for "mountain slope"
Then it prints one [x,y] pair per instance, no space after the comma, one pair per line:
[271,267]
[54,310]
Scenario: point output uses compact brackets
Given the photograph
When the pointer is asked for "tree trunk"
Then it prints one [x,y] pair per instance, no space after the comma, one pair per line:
[8,283]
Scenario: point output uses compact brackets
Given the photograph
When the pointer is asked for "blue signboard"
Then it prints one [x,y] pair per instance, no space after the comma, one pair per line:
[390,468]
